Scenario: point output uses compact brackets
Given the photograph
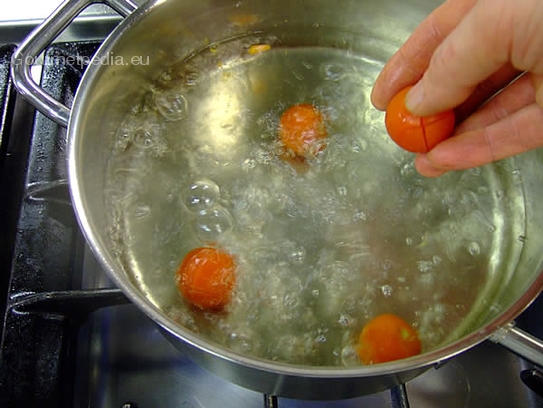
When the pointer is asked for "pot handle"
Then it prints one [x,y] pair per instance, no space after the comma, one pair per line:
[520,342]
[36,42]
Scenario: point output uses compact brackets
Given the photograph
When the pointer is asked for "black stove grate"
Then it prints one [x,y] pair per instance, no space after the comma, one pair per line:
[42,246]
[6,100]
[7,204]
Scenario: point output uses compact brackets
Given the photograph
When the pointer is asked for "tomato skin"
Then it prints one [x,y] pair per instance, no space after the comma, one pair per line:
[385,338]
[206,278]
[300,127]
[417,134]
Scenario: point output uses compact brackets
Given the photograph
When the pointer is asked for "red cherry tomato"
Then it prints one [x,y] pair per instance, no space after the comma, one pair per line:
[385,338]
[206,278]
[300,127]
[417,134]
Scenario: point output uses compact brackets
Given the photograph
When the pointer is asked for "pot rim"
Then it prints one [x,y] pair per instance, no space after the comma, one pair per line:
[122,281]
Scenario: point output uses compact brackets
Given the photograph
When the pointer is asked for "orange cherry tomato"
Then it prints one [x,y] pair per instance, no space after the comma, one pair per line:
[417,134]
[387,337]
[206,278]
[300,127]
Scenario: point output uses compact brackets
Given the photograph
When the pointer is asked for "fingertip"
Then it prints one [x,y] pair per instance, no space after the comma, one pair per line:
[376,98]
[425,167]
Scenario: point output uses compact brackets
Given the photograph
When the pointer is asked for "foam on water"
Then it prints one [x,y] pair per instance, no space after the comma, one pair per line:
[321,247]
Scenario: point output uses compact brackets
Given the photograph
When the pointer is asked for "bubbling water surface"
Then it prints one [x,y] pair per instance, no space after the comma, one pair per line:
[321,247]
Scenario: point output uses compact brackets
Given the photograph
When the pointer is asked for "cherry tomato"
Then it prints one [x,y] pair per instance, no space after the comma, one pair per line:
[417,134]
[206,278]
[387,337]
[300,127]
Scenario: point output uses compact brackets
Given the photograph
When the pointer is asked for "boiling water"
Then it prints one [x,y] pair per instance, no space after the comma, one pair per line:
[322,247]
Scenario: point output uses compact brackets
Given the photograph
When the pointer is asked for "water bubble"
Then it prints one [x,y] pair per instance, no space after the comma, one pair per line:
[342,190]
[349,356]
[165,77]
[474,249]
[142,211]
[211,224]
[144,138]
[359,216]
[480,216]
[425,266]
[123,138]
[294,348]
[191,78]
[297,255]
[171,104]
[427,279]
[149,136]
[307,65]
[387,290]
[336,278]
[476,171]
[469,198]
[201,195]
[143,132]
[321,338]
[264,156]
[417,192]
[248,164]
[386,265]
[331,71]
[243,339]
[358,146]
[297,75]
[345,320]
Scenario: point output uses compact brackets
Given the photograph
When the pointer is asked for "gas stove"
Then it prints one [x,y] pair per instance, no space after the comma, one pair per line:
[71,339]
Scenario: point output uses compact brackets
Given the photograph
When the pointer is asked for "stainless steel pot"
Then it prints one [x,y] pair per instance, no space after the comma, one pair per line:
[162,31]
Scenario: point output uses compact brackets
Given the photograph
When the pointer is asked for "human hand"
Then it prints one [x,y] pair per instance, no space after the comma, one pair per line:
[461,55]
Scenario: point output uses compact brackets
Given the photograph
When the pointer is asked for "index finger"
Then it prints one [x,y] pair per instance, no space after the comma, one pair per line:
[411,61]
[492,35]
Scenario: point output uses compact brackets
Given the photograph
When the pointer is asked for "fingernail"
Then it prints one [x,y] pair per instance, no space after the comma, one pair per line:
[414,98]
